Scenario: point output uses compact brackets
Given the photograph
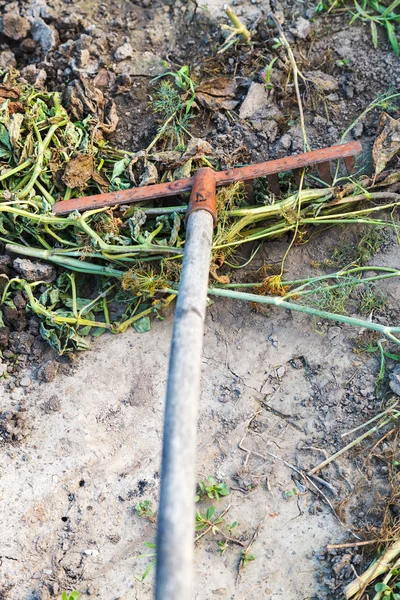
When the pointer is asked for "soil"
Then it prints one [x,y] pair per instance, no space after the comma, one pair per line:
[80,438]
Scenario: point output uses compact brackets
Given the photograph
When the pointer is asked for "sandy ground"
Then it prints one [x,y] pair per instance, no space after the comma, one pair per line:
[92,452]
[72,486]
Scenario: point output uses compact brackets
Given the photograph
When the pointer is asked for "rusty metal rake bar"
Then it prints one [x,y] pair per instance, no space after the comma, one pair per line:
[268,169]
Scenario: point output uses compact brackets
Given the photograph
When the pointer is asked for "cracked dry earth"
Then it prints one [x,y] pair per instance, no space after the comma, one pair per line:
[90,442]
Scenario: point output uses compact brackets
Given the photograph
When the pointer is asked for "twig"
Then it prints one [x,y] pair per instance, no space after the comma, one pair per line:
[254,587]
[354,544]
[247,549]
[296,74]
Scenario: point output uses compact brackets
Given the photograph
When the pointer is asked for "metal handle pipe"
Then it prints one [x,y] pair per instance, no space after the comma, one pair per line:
[176,515]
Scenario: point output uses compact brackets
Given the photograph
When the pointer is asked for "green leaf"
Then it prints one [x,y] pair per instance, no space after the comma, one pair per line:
[50,336]
[2,324]
[142,325]
[4,137]
[374,32]
[392,37]
[210,512]
[382,587]
[119,168]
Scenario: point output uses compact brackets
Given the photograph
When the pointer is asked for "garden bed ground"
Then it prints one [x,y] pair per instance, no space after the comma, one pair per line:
[81,439]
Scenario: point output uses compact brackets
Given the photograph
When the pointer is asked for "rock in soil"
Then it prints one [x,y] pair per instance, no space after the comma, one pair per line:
[123,52]
[45,34]
[34,271]
[7,59]
[48,371]
[15,27]
[20,342]
[395,380]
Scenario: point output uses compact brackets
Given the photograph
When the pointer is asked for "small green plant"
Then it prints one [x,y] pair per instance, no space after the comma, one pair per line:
[70,596]
[370,11]
[266,74]
[173,101]
[388,592]
[371,299]
[246,557]
[213,489]
[144,509]
[153,556]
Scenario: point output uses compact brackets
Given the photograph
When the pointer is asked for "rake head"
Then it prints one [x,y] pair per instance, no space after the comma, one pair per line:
[320,158]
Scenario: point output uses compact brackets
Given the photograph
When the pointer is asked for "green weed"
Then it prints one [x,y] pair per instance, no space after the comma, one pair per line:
[70,596]
[144,509]
[213,489]
[370,11]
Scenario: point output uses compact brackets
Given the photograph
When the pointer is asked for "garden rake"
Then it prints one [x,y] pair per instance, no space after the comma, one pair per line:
[175,538]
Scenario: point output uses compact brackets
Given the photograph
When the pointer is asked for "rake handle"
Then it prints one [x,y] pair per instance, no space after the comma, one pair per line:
[176,517]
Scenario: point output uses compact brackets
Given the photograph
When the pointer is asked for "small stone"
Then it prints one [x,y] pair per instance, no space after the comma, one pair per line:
[48,371]
[123,52]
[358,130]
[395,380]
[5,264]
[83,58]
[280,372]
[53,404]
[3,369]
[302,28]
[20,342]
[4,337]
[28,45]
[286,141]
[322,81]
[25,381]
[144,64]
[17,395]
[46,35]
[256,102]
[7,60]
[34,271]
[14,26]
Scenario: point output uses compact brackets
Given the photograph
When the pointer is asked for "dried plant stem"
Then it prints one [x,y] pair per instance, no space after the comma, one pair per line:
[375,570]
[296,75]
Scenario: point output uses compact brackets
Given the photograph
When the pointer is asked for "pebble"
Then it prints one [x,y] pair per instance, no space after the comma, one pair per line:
[25,381]
[34,271]
[280,372]
[123,52]
[14,26]
[46,35]
[7,59]
[301,29]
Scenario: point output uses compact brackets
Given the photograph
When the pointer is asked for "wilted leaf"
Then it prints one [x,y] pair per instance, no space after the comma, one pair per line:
[4,137]
[322,81]
[110,117]
[14,128]
[197,148]
[184,170]
[149,175]
[119,168]
[7,90]
[387,144]
[78,171]
[142,325]
[99,179]
[217,93]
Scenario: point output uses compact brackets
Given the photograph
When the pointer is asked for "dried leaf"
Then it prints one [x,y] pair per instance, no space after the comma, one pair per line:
[387,144]
[110,117]
[14,128]
[78,171]
[149,175]
[7,90]
[217,93]
[99,179]
[197,148]
[184,170]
